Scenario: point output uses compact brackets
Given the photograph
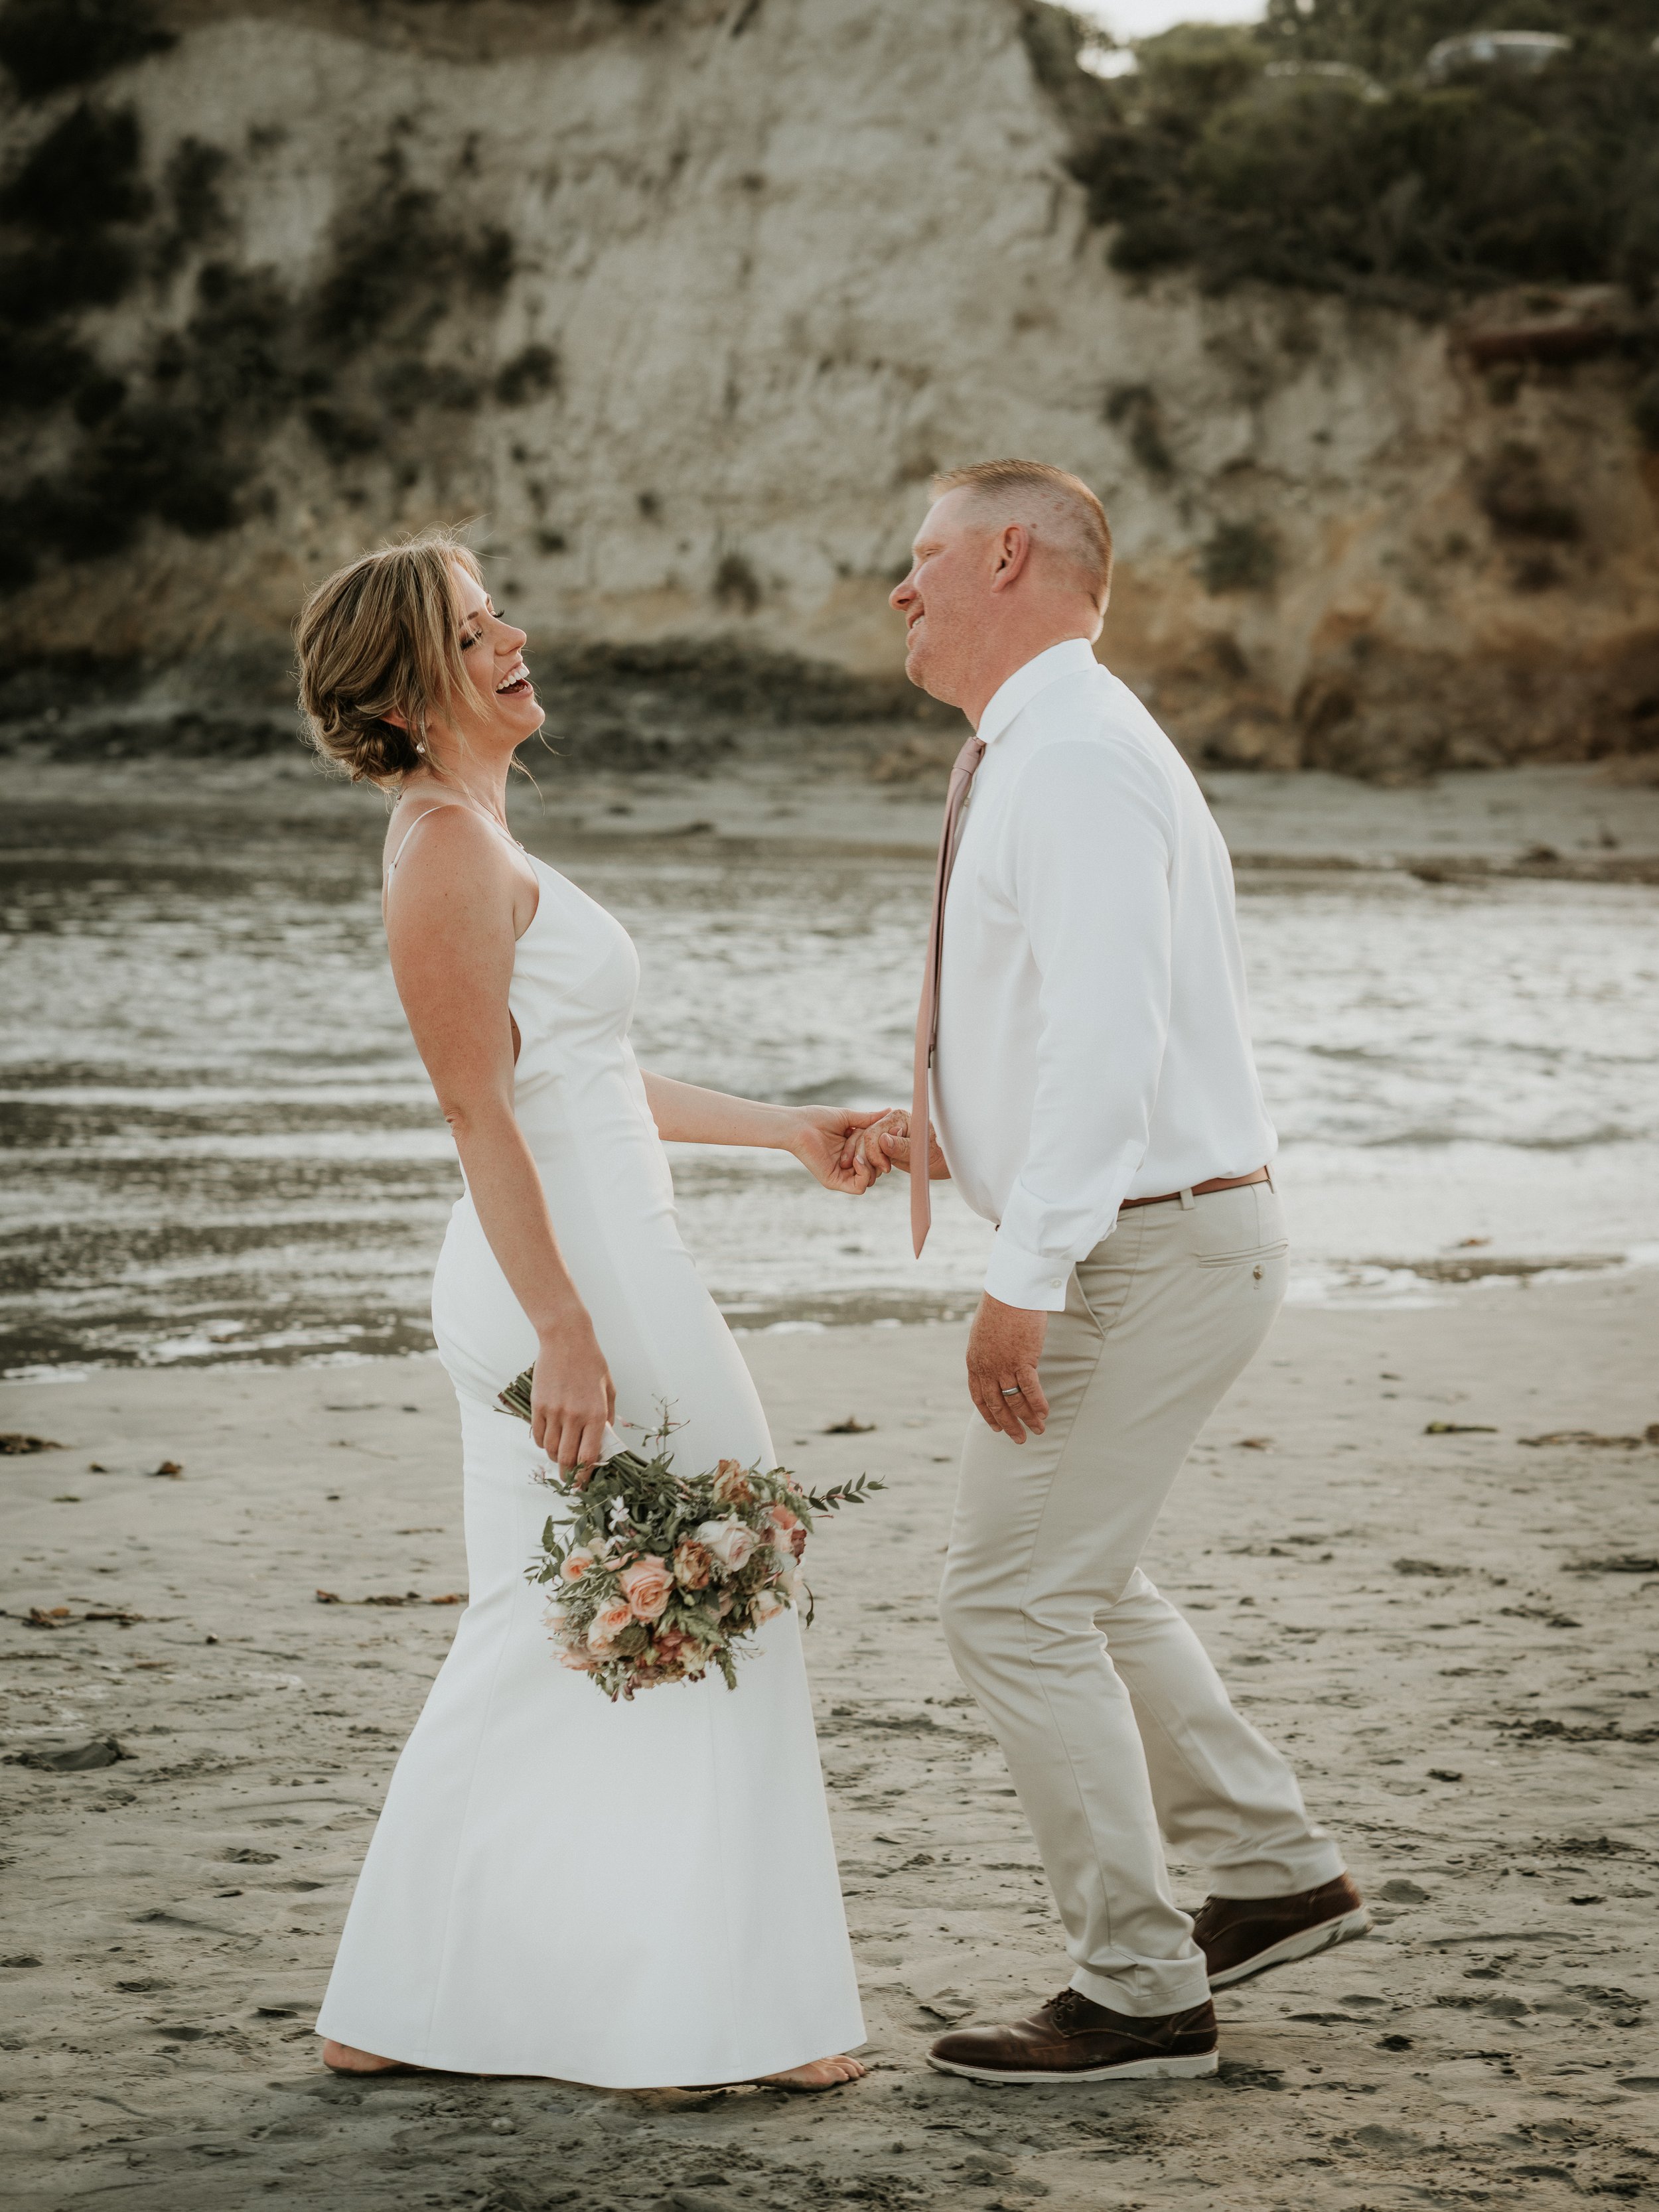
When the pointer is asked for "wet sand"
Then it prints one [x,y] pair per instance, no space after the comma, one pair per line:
[1452,1634]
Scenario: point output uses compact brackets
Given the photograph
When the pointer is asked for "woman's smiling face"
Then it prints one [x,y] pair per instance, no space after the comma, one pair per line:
[502,701]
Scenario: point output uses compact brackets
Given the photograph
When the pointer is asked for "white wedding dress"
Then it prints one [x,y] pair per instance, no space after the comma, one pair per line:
[630,1895]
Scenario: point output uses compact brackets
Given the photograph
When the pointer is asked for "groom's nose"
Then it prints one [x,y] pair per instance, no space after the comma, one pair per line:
[901,594]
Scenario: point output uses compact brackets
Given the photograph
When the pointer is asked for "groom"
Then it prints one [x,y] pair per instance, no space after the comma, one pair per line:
[1084,1025]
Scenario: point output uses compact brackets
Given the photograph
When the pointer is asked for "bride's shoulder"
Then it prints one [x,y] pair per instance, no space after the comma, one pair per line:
[431,835]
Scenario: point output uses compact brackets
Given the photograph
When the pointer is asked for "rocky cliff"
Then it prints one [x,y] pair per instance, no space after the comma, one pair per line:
[686,300]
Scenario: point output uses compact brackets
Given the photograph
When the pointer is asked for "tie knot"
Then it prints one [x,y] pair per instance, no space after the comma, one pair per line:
[972,753]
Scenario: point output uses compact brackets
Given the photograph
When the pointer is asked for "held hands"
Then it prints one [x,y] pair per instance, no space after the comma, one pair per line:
[830,1142]
[572,1398]
[888,1145]
[849,1149]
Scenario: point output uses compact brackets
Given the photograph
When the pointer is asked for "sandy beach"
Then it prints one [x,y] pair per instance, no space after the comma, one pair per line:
[1450,1629]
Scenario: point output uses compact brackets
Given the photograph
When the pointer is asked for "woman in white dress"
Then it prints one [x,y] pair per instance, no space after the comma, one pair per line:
[630,1895]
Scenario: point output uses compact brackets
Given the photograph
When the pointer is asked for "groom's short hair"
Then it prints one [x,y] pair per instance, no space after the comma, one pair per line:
[1057,508]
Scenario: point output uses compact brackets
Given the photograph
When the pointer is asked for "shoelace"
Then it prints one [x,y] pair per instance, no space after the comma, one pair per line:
[1066,2010]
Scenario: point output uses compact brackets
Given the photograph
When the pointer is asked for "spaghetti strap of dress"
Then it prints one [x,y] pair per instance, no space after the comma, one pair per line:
[426,815]
[392,865]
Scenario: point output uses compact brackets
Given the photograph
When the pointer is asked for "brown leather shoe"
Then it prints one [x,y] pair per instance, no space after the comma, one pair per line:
[1241,1936]
[1074,2039]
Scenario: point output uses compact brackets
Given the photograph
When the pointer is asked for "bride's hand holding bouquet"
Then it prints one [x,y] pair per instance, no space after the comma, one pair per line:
[659,1576]
[570,1397]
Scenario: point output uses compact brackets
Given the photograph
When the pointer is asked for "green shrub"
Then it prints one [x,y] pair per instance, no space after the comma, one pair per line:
[736,584]
[1239,556]
[178,438]
[48,45]
[38,368]
[82,174]
[528,375]
[1515,497]
[397,267]
[1133,409]
[1230,153]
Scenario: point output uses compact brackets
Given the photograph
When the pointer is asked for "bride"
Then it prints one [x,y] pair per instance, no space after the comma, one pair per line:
[628,1895]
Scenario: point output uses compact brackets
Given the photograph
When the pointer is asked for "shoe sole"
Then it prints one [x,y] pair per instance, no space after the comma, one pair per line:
[1346,1928]
[1184,2069]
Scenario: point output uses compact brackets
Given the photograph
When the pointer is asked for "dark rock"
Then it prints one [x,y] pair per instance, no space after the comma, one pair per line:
[70,1758]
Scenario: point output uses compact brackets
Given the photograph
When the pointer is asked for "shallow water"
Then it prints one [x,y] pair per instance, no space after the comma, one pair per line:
[221,1145]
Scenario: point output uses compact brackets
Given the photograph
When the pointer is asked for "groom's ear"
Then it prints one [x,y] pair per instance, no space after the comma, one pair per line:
[1012,555]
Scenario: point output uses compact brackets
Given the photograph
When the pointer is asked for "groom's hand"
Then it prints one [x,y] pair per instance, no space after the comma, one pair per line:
[1003,1346]
[827,1140]
[890,1143]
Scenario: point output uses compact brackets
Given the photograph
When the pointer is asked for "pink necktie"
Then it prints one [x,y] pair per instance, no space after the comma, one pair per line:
[962,775]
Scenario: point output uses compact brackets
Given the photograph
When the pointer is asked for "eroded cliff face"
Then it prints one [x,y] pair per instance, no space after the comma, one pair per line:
[687,299]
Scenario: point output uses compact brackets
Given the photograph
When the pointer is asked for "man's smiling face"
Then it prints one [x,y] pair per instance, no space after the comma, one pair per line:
[944,597]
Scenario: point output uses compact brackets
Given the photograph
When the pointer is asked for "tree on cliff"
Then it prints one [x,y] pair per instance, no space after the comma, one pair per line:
[1315,149]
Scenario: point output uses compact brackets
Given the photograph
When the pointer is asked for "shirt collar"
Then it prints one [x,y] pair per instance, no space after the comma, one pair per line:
[1012,699]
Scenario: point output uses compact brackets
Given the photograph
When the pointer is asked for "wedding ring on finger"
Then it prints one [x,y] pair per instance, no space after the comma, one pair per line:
[1012,1390]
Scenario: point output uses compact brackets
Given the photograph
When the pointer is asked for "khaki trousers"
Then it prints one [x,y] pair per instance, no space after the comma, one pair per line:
[1114,1722]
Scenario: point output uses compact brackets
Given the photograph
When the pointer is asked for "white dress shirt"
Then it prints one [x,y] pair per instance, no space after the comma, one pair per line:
[1093,1037]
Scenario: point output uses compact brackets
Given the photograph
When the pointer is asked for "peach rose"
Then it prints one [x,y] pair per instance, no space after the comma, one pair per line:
[692,1564]
[766,1605]
[788,1536]
[648,1585]
[728,1542]
[730,1484]
[583,1662]
[607,1625]
[576,1563]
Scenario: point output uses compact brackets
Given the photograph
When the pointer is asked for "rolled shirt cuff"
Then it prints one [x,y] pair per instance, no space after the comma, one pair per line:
[1026,1279]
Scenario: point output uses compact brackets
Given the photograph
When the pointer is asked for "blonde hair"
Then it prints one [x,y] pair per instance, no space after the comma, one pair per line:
[1072,521]
[379,638]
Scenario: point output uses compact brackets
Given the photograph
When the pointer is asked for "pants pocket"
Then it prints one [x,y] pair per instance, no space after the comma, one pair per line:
[1239,1228]
[1250,1252]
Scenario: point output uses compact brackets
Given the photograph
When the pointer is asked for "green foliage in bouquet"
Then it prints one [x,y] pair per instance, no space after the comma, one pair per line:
[657,1575]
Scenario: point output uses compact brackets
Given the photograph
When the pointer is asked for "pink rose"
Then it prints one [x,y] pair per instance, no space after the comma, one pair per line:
[765,1604]
[607,1625]
[728,1542]
[648,1585]
[583,1662]
[692,1564]
[576,1563]
[730,1484]
[788,1536]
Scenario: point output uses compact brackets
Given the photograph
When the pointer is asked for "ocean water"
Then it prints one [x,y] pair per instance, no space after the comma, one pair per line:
[219,1144]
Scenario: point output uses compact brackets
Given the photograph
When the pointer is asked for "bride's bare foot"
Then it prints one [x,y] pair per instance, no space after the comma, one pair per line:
[342,2058]
[820,2073]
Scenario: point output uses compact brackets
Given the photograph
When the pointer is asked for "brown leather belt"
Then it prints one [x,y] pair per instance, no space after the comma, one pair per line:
[1202,1189]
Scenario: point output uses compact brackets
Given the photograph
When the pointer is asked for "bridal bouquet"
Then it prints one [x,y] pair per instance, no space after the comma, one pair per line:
[659,1576]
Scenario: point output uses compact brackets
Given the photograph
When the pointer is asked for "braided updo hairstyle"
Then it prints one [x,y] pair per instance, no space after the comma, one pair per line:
[379,638]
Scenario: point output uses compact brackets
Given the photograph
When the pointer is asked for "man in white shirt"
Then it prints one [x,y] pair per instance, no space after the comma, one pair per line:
[1095,1094]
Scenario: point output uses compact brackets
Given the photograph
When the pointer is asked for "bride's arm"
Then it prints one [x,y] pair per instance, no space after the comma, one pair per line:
[816,1135]
[450,929]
